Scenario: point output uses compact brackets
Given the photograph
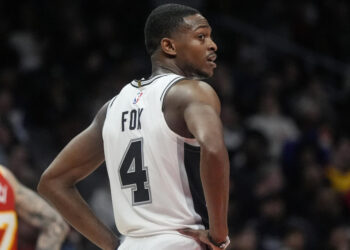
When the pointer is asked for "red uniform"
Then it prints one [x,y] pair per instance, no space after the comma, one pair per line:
[8,216]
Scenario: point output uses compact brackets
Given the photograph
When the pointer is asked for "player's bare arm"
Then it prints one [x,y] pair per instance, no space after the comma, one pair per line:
[77,160]
[34,210]
[37,212]
[200,107]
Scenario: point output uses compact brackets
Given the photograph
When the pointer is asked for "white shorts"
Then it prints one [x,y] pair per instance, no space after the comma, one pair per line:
[161,242]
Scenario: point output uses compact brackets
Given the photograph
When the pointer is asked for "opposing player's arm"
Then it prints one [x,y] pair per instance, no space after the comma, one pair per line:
[34,210]
[201,110]
[78,159]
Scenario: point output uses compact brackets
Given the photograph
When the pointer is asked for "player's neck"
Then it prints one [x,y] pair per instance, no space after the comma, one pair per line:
[165,66]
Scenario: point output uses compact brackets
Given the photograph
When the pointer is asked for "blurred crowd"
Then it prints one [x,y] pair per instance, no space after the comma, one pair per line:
[285,117]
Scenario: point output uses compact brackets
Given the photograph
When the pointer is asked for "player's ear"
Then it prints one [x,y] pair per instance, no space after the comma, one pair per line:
[168,46]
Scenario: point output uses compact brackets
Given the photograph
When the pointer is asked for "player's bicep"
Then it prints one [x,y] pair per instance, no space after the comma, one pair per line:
[203,122]
[202,114]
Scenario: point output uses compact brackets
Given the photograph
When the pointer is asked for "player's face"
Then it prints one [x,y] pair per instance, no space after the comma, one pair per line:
[195,49]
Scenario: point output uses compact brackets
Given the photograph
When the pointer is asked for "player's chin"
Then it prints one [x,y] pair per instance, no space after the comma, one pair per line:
[208,73]
[210,69]
[205,72]
[204,75]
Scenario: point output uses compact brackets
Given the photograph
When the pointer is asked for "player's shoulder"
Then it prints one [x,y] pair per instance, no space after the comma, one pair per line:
[192,90]
[7,174]
[193,84]
[4,171]
[188,91]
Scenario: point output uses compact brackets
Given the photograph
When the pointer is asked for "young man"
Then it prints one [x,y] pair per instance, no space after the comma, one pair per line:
[149,135]
[18,200]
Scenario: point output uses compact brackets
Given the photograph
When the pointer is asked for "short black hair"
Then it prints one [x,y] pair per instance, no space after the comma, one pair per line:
[162,21]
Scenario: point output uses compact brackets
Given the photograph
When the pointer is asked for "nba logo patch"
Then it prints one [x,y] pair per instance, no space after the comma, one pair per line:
[137,98]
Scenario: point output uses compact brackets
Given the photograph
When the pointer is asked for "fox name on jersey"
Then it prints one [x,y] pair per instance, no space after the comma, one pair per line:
[132,118]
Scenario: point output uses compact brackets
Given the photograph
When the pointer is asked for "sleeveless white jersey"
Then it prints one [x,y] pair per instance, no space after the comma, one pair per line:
[153,172]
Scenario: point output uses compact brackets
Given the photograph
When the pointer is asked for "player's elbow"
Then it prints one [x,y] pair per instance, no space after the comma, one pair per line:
[44,185]
[41,186]
[212,145]
[215,152]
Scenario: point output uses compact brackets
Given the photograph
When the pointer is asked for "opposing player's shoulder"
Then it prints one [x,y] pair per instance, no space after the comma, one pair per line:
[188,91]
[9,176]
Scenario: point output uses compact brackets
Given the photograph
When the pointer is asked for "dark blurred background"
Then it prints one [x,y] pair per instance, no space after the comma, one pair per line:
[283,79]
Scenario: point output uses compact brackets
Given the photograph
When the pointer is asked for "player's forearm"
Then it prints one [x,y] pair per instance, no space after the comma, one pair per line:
[53,229]
[52,237]
[34,210]
[215,180]
[75,210]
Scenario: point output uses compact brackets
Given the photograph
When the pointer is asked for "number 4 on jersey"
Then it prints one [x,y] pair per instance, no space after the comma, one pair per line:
[133,174]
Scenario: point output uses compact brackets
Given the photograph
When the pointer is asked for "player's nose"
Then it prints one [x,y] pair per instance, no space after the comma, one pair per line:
[212,45]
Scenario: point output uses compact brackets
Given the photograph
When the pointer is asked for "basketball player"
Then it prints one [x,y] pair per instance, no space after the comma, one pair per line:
[18,200]
[149,135]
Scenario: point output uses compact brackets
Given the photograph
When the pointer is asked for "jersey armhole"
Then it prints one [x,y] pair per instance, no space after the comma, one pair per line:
[111,102]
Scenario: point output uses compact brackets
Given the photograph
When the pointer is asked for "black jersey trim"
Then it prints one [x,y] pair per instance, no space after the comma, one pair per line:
[192,166]
[169,85]
[143,83]
[112,101]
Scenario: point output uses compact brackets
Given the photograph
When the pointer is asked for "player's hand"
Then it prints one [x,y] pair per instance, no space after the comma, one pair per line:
[199,235]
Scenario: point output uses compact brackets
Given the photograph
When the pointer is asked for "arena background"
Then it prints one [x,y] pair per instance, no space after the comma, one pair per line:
[284,82]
